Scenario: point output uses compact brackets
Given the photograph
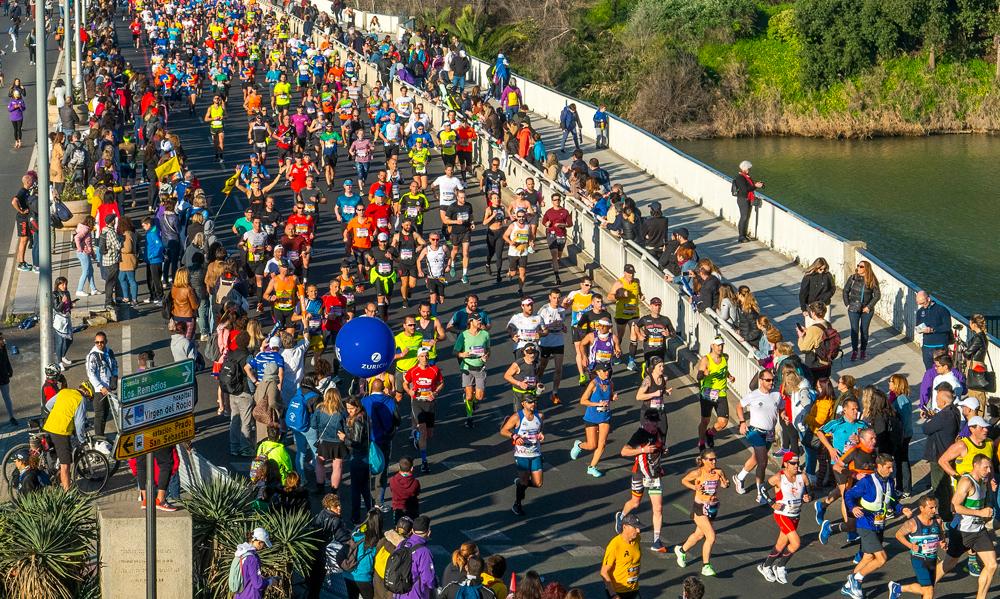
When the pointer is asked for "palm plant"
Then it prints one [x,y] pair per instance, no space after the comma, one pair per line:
[49,537]
[222,513]
[480,35]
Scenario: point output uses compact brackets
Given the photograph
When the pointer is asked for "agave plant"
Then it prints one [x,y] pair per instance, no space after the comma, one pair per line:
[222,515]
[49,537]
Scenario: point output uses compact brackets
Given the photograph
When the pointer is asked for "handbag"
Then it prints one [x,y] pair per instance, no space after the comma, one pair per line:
[376,459]
[981,380]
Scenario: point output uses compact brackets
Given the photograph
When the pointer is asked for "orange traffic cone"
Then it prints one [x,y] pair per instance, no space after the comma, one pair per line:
[513,585]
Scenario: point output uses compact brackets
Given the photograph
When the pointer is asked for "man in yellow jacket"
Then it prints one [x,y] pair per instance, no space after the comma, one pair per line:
[67,414]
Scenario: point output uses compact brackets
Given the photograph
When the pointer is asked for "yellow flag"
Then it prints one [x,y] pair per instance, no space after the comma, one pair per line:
[167,168]
[230,184]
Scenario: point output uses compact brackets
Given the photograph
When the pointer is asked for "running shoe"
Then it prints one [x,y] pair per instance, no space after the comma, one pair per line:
[779,453]
[710,438]
[582,380]
[576,451]
[738,485]
[820,512]
[465,279]
[594,472]
[555,399]
[631,363]
[618,522]
[681,556]
[658,546]
[853,537]
[762,497]
[848,590]
[857,557]
[766,571]
[517,509]
[974,568]
[425,468]
[780,574]
[825,530]
[895,589]
[707,570]
[164,506]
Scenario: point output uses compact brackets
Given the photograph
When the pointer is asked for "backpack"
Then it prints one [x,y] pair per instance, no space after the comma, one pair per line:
[258,467]
[893,434]
[232,377]
[78,158]
[168,302]
[102,244]
[381,557]
[399,570]
[227,293]
[468,591]
[829,346]
[211,352]
[236,574]
[734,190]
[347,555]
[297,413]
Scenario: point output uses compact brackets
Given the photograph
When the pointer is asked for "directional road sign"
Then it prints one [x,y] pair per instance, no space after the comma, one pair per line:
[156,382]
[163,434]
[156,409]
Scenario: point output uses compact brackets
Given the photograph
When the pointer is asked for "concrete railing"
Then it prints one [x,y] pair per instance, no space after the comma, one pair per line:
[783,230]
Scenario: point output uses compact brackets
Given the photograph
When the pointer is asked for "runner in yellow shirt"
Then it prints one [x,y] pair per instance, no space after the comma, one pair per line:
[622,561]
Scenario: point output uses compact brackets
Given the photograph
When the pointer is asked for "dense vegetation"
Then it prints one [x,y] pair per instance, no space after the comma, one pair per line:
[746,67]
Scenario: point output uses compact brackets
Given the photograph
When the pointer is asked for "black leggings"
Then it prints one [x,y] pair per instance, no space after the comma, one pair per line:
[17,129]
[164,459]
[359,590]
[494,245]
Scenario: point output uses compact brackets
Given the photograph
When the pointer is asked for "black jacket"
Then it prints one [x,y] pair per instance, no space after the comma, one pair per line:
[816,287]
[941,431]
[653,233]
[857,296]
[746,324]
[708,295]
[332,527]
[975,350]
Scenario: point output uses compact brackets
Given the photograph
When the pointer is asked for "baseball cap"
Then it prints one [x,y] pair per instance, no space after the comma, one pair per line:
[789,456]
[978,421]
[629,269]
[447,124]
[423,350]
[683,232]
[656,302]
[475,316]
[274,343]
[348,183]
[383,237]
[379,193]
[21,456]
[655,361]
[604,322]
[527,301]
[530,347]
[632,520]
[969,402]
[603,366]
[718,341]
[259,534]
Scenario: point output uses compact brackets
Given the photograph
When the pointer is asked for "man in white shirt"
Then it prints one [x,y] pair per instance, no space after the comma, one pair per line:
[447,184]
[764,405]
[526,327]
[553,343]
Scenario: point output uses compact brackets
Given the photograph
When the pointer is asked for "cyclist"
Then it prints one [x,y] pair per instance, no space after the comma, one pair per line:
[214,116]
[67,414]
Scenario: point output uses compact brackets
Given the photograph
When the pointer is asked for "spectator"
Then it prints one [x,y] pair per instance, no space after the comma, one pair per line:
[934,323]
[254,585]
[813,343]
[494,569]
[422,570]
[817,286]
[653,232]
[471,584]
[744,188]
[601,122]
[6,371]
[390,540]
[747,313]
[456,570]
[332,529]
[367,536]
[692,588]
[861,293]
[405,491]
[569,123]
[941,430]
[291,496]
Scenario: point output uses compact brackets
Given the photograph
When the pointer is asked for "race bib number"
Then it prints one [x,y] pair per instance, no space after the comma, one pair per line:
[477,351]
[521,237]
[405,254]
[710,487]
[384,269]
[412,211]
[362,233]
[348,210]
[463,217]
[655,340]
[382,223]
[656,402]
[603,356]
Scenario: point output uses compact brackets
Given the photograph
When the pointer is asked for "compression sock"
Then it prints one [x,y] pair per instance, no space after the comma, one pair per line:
[771,558]
[434,309]
[783,560]
[656,536]
[423,456]
[519,491]
[468,408]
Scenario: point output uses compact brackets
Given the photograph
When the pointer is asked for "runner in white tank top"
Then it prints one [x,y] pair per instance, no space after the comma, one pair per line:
[791,488]
[524,429]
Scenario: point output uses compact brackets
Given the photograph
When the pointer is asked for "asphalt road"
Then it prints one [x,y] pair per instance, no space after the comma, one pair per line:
[469,492]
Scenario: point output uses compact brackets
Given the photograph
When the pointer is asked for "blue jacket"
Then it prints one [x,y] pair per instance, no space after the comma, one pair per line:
[381,411]
[366,560]
[938,319]
[154,246]
[866,489]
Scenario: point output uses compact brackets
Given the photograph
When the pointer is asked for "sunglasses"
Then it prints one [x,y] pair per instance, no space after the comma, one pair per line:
[792,463]
[767,380]
[710,459]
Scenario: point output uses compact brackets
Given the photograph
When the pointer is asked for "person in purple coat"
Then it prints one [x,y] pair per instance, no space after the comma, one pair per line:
[16,108]
[424,579]
[254,584]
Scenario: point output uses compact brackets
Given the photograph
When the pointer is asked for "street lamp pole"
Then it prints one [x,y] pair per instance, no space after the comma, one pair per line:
[67,40]
[76,37]
[42,168]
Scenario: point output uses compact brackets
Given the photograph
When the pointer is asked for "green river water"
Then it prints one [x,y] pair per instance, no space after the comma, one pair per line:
[928,207]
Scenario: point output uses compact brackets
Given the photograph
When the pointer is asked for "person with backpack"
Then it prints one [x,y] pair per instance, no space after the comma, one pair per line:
[234,376]
[358,561]
[819,342]
[332,529]
[385,547]
[245,579]
[409,571]
[298,417]
[272,449]
[471,587]
[569,122]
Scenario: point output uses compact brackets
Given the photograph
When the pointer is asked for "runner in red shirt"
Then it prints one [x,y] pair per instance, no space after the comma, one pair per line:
[557,221]
[466,139]
[297,248]
[423,383]
[297,176]
[379,211]
[304,224]
[383,184]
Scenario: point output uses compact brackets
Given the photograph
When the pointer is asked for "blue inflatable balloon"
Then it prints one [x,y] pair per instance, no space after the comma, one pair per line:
[365,346]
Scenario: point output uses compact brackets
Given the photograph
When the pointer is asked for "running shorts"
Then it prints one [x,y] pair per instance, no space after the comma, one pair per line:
[528,464]
[785,524]
[641,484]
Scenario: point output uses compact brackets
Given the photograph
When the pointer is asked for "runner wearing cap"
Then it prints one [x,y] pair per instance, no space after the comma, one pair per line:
[654,331]
[525,327]
[520,244]
[258,246]
[423,383]
[459,219]
[330,140]
[419,155]
[412,206]
[765,406]
[523,374]
[626,293]
[600,345]
[553,343]
[713,380]
[282,293]
[407,244]
[378,209]
[622,561]
[524,429]
[791,489]
[597,398]
[472,348]
[347,204]
[382,273]
[448,139]
[432,263]
[653,390]
[580,302]
[705,481]
[647,447]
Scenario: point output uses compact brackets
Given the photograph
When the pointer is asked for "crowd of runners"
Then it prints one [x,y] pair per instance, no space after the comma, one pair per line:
[341,173]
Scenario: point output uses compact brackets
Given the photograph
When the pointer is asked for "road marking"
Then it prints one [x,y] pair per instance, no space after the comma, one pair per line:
[480,534]
[562,536]
[508,551]
[583,550]
[680,508]
[474,466]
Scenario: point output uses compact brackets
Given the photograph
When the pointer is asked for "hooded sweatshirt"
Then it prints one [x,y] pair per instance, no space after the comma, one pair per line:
[254,584]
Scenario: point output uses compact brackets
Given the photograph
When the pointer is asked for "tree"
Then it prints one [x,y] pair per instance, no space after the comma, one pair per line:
[479,32]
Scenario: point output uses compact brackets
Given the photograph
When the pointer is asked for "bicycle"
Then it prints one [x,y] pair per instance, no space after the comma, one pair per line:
[957,348]
[90,471]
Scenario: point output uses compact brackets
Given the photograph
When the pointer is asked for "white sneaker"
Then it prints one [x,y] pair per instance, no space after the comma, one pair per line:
[82,294]
[67,361]
[779,575]
[767,572]
[738,485]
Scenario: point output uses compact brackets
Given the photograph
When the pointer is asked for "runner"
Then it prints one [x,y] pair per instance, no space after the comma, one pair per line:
[432,263]
[923,535]
[970,503]
[524,429]
[713,381]
[472,348]
[358,234]
[413,205]
[525,328]
[597,398]
[647,447]
[791,489]
[653,391]
[430,329]
[495,221]
[870,500]
[758,430]
[382,274]
[654,331]
[557,221]
[626,293]
[705,481]
[520,244]
[419,156]
[601,345]
[580,301]
[838,437]
[523,375]
[552,343]
[423,383]
[459,219]
[622,561]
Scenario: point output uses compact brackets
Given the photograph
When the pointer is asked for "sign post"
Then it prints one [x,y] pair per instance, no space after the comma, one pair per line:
[154,410]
